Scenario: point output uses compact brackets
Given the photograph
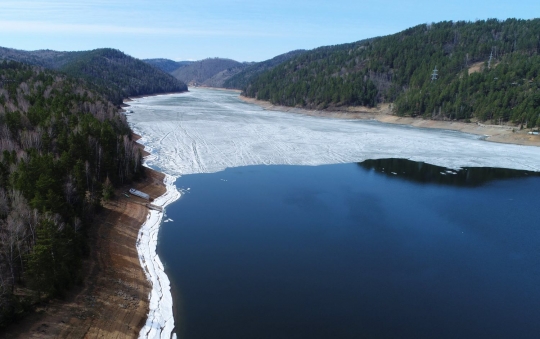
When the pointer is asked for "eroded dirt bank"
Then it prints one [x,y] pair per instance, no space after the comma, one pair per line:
[113,301]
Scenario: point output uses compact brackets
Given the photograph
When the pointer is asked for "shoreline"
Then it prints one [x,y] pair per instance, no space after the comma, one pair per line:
[492,133]
[113,299]
[124,286]
[128,99]
[159,322]
[160,317]
[219,88]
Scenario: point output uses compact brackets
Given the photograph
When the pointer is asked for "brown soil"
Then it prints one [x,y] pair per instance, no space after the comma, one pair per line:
[495,133]
[141,147]
[113,303]
[476,67]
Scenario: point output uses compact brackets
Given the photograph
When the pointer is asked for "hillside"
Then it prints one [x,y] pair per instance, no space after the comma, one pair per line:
[167,65]
[241,79]
[63,147]
[200,73]
[44,58]
[119,75]
[397,69]
[109,71]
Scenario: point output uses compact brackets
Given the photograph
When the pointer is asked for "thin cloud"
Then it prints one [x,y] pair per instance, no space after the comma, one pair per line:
[67,28]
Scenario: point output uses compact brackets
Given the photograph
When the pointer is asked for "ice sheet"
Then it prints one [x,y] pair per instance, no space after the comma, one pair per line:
[207,131]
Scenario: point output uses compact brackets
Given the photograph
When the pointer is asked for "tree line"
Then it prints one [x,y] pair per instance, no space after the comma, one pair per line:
[63,147]
[487,70]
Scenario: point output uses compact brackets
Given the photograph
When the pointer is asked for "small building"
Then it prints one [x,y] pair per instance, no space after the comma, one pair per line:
[139,194]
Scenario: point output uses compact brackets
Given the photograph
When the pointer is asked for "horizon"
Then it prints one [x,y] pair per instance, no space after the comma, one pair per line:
[238,30]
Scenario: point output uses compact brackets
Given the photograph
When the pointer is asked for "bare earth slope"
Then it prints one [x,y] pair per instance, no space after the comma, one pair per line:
[113,303]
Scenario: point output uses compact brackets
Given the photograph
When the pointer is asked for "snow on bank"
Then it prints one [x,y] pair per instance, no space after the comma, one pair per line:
[160,321]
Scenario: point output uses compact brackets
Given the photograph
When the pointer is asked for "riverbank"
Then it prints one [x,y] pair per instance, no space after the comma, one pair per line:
[124,102]
[219,88]
[494,133]
[113,301]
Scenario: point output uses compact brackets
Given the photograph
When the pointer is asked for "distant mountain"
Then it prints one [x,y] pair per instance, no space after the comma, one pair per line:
[109,71]
[485,70]
[167,65]
[241,79]
[209,72]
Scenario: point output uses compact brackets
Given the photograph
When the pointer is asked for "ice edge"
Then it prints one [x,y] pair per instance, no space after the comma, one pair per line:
[160,319]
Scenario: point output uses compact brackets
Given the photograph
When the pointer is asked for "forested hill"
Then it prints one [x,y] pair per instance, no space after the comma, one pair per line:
[46,58]
[240,80]
[109,71]
[119,75]
[209,72]
[62,149]
[167,65]
[398,69]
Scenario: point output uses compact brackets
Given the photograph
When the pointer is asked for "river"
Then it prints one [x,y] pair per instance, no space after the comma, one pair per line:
[373,250]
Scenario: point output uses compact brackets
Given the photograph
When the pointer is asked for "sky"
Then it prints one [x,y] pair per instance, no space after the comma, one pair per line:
[253,30]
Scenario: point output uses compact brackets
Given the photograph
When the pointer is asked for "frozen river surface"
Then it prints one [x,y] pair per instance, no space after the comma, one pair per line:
[206,131]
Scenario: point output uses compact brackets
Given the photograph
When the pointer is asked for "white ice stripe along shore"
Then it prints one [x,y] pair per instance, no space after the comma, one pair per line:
[160,321]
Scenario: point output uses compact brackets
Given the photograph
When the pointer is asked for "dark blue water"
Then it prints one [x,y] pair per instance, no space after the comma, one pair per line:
[355,251]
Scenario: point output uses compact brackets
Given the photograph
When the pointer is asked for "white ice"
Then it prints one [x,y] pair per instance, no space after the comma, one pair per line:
[160,320]
[207,131]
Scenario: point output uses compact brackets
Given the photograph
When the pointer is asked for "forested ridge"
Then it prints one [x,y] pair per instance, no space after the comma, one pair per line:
[109,71]
[487,70]
[167,65]
[63,147]
[208,72]
[118,75]
[241,79]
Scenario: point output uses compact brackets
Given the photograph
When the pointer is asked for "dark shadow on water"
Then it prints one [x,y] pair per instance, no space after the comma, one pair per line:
[430,174]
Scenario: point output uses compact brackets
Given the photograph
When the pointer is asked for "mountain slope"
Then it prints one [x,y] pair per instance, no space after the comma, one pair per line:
[44,58]
[167,65]
[200,72]
[397,68]
[241,79]
[62,149]
[119,75]
[109,71]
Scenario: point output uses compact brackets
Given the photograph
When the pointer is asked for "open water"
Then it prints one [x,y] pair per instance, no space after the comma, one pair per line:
[382,249]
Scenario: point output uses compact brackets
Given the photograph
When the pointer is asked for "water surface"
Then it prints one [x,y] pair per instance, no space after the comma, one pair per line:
[382,249]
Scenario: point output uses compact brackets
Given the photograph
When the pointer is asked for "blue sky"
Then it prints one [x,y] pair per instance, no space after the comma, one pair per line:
[252,30]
